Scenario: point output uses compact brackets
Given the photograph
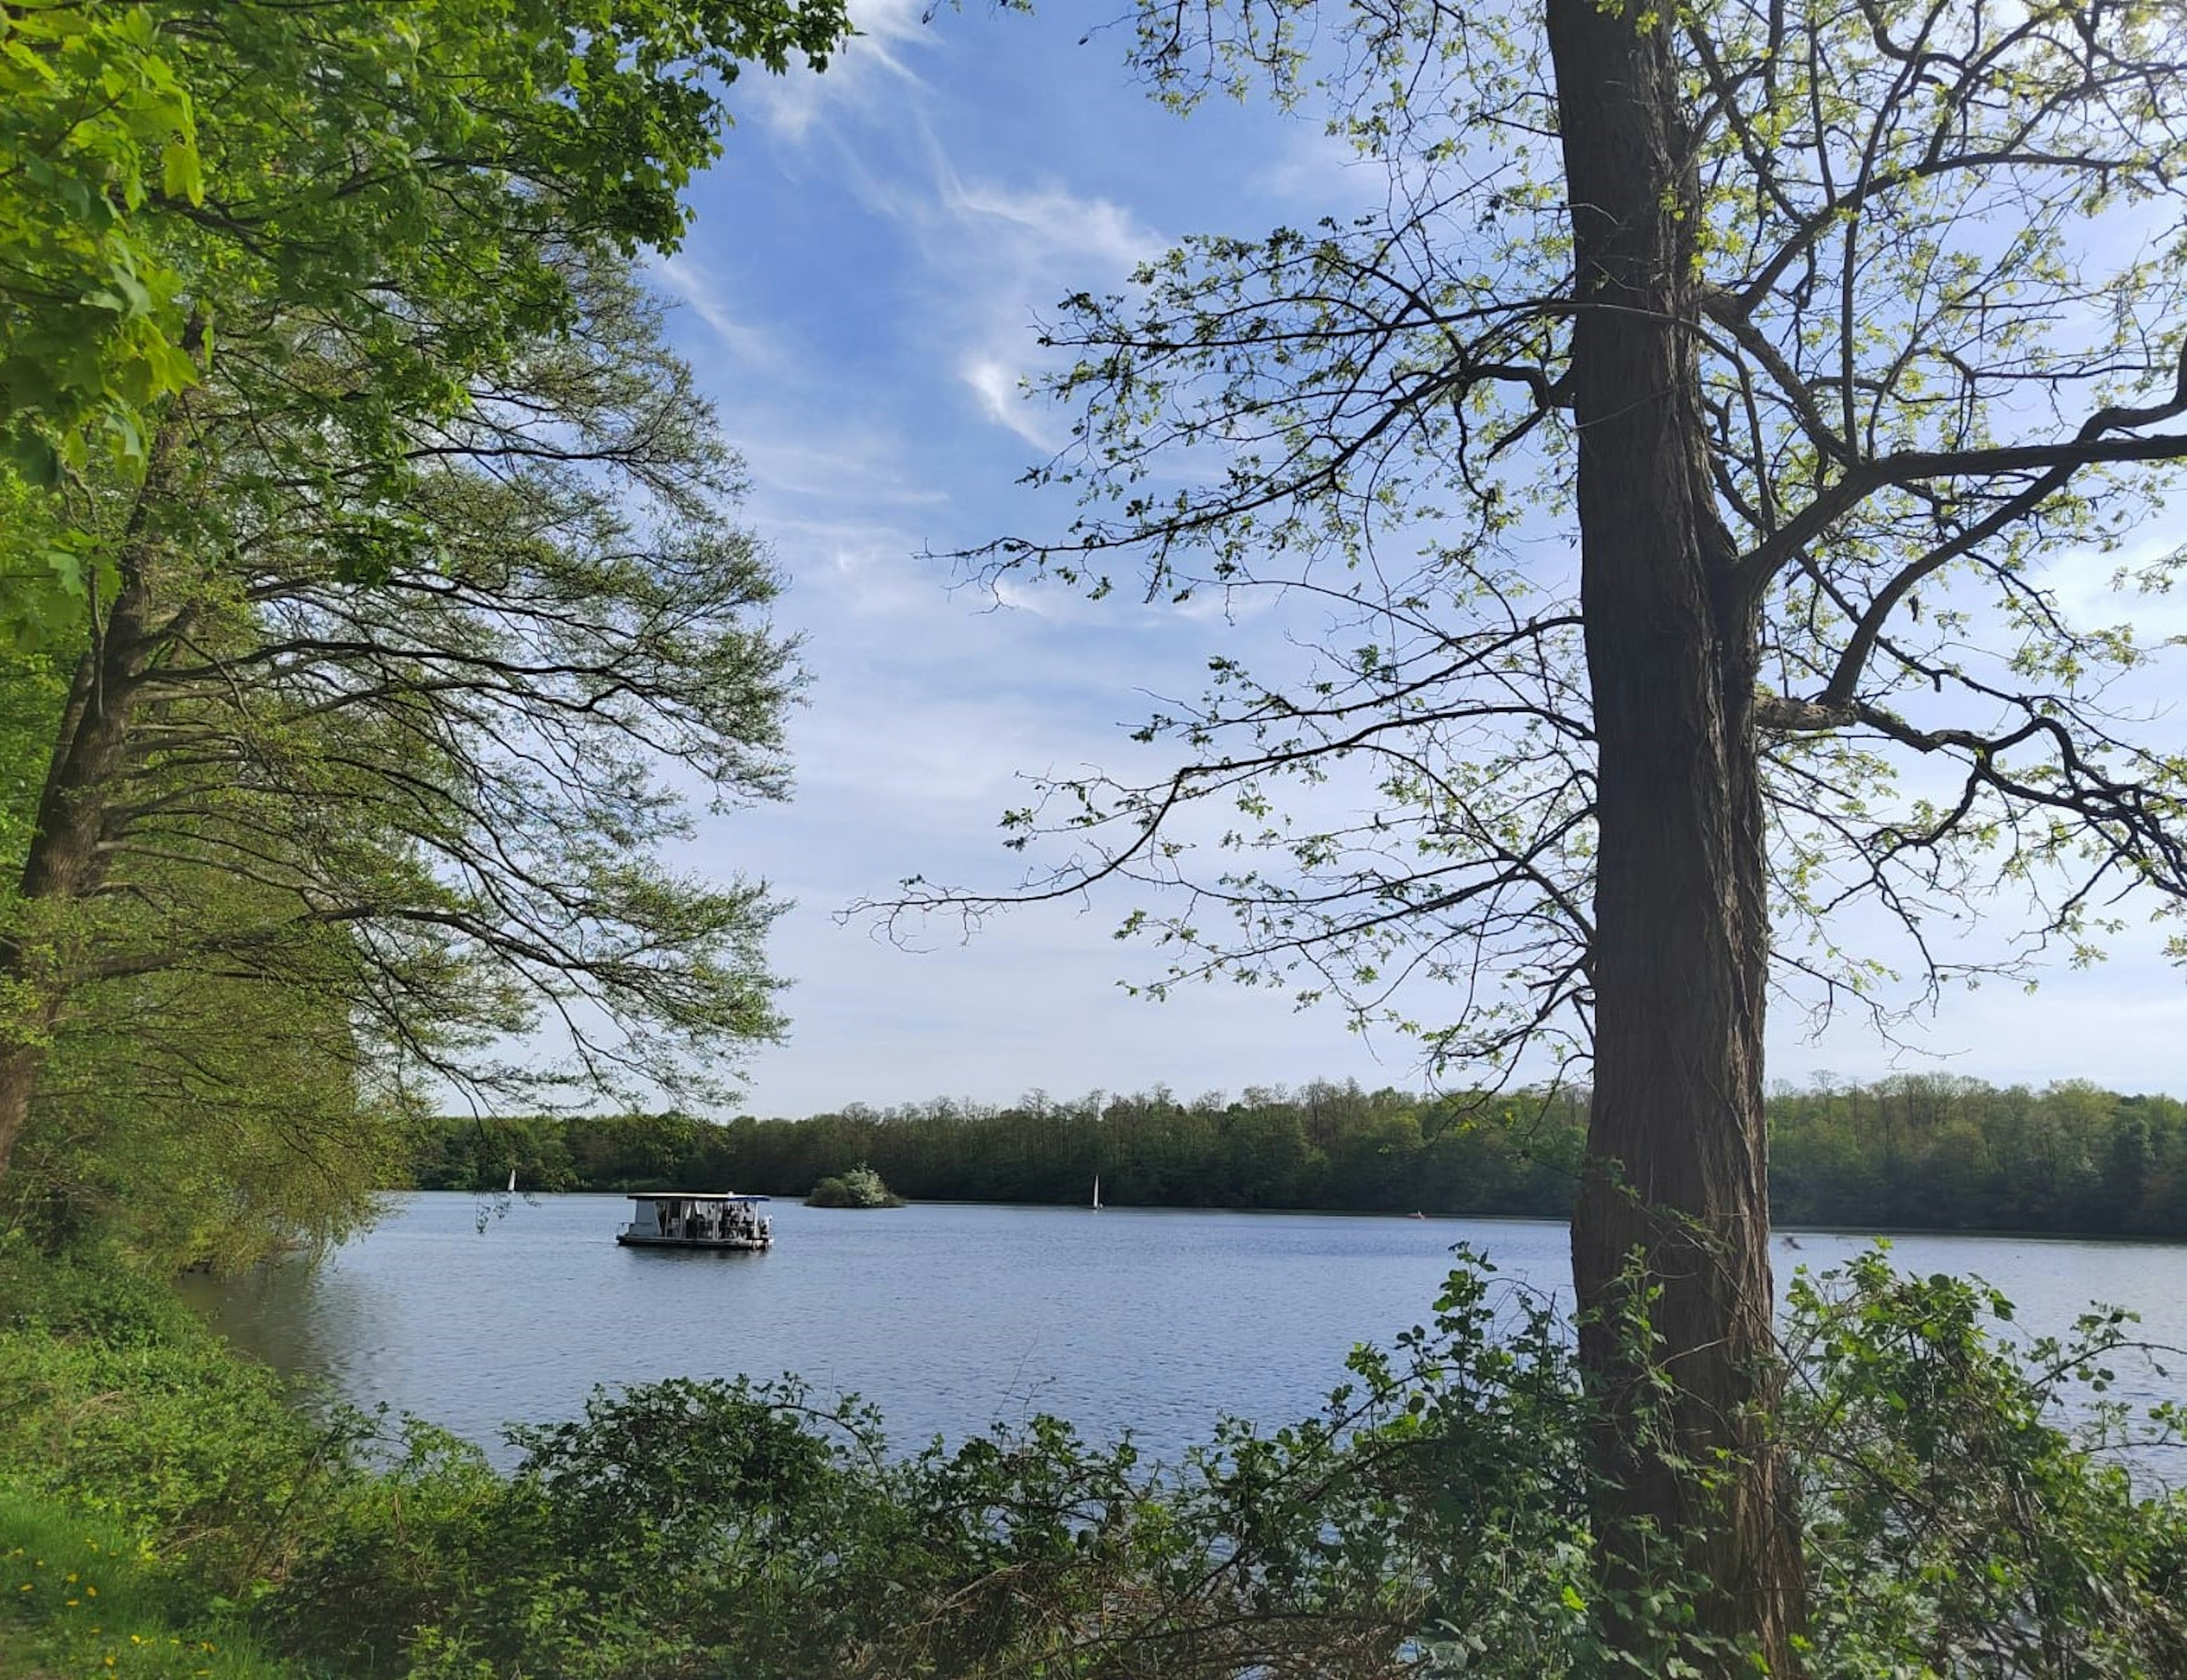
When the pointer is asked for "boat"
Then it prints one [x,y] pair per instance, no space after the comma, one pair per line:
[716,1220]
[1097,1193]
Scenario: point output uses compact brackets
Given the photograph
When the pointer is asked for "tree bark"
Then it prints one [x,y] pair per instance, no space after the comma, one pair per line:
[66,862]
[1670,1237]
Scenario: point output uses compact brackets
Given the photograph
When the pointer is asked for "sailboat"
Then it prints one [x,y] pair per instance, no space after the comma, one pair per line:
[1097,1193]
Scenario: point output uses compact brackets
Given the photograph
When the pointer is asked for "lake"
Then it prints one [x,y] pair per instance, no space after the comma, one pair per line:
[952,1317]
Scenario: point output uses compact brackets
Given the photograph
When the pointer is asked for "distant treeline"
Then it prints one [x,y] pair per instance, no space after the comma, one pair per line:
[1918,1151]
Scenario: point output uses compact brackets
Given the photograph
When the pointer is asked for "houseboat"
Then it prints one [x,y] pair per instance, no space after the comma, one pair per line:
[691,1219]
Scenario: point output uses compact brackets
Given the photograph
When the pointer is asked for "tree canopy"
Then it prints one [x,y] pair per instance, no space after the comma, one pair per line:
[1940,313]
[174,169]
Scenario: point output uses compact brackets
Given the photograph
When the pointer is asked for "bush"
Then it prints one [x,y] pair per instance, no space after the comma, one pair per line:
[1953,1526]
[1432,1518]
[115,1400]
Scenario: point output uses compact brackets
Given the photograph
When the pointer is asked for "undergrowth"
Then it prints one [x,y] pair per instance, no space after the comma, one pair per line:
[1430,1519]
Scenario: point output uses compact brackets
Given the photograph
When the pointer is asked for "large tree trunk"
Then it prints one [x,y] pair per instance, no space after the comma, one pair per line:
[66,863]
[68,860]
[1670,1240]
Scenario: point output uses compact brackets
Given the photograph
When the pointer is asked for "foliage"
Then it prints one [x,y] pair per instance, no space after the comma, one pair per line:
[77,1597]
[174,167]
[1910,1152]
[186,1118]
[859,1186]
[1953,1528]
[1433,1518]
[201,1120]
[373,831]
[97,119]
[405,551]
[116,1399]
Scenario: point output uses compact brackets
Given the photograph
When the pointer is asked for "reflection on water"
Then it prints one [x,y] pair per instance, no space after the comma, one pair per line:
[952,1317]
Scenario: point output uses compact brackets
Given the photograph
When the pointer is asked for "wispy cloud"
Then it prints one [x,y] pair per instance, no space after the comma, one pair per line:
[691,284]
[889,32]
[1003,399]
[1056,224]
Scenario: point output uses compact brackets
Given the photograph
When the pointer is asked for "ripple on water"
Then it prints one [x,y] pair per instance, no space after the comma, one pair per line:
[953,1317]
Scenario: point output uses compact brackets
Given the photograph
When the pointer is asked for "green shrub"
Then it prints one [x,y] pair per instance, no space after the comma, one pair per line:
[1432,1517]
[1955,1527]
[115,1399]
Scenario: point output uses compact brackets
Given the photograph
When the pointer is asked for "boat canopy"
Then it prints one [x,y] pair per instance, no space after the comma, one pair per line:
[693,1196]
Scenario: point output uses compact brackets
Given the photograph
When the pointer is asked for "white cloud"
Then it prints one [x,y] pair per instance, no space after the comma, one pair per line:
[1053,222]
[1308,168]
[688,280]
[2084,583]
[834,463]
[1003,400]
[888,32]
[992,255]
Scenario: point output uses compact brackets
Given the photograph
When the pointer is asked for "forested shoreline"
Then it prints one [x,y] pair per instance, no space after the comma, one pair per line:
[1935,1152]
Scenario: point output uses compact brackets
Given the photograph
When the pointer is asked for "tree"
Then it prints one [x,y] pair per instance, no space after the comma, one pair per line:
[433,800]
[1790,322]
[164,163]
[362,574]
[189,1119]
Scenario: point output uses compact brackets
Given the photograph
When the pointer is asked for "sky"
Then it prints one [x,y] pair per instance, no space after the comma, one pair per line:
[861,295]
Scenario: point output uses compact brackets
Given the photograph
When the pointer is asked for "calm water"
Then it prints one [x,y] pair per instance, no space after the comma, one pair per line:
[952,1318]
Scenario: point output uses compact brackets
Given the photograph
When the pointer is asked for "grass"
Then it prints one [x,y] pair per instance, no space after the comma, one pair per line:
[80,1599]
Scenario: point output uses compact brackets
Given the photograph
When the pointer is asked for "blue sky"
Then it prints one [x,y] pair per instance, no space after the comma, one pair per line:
[861,295]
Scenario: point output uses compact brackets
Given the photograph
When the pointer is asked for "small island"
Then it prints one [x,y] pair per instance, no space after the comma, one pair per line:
[859,1187]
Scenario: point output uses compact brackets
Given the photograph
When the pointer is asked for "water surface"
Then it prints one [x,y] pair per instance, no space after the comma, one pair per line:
[953,1317]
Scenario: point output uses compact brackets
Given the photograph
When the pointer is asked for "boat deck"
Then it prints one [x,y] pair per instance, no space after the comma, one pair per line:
[744,1244]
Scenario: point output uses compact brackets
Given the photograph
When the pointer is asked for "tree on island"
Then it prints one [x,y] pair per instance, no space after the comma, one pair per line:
[859,1186]
[1816,334]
